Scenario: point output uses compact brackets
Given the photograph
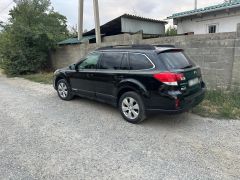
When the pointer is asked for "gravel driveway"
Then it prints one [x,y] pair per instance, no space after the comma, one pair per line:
[42,137]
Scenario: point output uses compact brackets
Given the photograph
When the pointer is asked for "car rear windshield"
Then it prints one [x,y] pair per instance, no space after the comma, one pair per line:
[175,60]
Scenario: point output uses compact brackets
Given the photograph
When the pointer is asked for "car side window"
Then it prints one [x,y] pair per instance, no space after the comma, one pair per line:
[139,62]
[111,61]
[90,62]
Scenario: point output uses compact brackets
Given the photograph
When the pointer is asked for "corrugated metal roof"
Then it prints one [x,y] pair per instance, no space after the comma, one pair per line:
[142,18]
[223,6]
[76,41]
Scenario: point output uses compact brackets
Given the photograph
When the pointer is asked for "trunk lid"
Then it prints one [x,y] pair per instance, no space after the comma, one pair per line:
[192,82]
[177,62]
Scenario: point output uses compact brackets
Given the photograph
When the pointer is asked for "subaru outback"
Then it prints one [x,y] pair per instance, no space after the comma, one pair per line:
[138,79]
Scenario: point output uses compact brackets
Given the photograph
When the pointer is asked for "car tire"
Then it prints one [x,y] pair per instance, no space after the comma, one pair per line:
[64,90]
[132,107]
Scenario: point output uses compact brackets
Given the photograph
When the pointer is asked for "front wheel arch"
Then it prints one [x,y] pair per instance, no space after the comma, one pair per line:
[60,77]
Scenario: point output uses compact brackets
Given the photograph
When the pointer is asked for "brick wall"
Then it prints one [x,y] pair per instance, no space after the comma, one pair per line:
[218,55]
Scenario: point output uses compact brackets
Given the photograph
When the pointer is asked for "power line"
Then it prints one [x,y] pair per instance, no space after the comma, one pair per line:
[2,10]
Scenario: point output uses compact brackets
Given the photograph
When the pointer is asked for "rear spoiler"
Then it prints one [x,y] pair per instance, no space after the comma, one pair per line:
[163,50]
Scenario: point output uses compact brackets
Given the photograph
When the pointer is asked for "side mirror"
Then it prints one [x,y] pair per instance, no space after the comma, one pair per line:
[72,67]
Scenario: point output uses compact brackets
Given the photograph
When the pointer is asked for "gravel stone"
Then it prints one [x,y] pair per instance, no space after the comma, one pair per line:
[43,137]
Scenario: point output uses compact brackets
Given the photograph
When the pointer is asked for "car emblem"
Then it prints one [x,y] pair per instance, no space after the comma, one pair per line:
[195,72]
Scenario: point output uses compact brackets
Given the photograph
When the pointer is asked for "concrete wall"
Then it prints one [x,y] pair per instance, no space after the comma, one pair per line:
[224,21]
[217,54]
[63,56]
[236,65]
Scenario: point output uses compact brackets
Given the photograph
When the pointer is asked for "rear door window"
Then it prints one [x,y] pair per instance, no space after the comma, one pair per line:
[139,62]
[175,60]
[111,61]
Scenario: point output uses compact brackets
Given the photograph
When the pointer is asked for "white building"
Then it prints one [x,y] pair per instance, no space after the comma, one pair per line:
[214,19]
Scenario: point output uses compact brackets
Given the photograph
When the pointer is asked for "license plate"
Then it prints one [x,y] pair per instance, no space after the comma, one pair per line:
[193,82]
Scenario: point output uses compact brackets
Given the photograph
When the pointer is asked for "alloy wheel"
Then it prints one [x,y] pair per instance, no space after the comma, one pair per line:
[130,108]
[63,90]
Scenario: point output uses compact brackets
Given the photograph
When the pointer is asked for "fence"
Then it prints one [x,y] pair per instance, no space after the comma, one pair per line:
[217,54]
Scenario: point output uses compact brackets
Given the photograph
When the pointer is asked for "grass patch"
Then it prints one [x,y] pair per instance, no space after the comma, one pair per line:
[45,78]
[219,104]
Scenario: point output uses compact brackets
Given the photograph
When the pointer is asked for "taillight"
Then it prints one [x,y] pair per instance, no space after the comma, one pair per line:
[169,78]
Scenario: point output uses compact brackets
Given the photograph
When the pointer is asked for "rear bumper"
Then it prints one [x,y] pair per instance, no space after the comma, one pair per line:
[186,103]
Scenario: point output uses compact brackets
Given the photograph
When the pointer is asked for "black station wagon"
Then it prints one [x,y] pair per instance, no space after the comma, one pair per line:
[137,79]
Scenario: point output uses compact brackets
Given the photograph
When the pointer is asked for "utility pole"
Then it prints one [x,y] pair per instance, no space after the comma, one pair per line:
[80,19]
[97,21]
[195,6]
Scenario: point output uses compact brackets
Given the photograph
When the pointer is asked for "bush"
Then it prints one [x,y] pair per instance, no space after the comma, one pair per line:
[26,53]
[33,30]
[171,31]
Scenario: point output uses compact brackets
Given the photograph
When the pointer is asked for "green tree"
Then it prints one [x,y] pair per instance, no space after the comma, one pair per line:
[171,31]
[33,30]
[73,32]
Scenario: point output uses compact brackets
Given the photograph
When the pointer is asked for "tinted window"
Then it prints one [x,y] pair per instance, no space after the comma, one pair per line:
[175,60]
[90,62]
[139,61]
[111,61]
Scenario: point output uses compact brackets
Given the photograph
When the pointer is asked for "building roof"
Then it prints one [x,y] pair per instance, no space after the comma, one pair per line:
[76,41]
[223,6]
[114,27]
[129,16]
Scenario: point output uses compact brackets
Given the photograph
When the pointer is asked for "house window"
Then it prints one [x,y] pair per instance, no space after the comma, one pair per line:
[212,29]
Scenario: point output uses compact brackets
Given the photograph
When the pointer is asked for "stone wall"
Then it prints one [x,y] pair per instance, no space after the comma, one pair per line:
[218,55]
[69,54]
[214,53]
[236,65]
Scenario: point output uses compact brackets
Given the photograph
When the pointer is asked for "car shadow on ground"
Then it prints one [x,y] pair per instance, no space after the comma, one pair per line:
[153,119]
[169,120]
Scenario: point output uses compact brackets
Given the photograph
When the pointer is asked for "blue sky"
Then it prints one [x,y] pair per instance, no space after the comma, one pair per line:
[110,9]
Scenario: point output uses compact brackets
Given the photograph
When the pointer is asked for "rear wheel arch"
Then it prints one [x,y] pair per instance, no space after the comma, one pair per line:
[134,86]
[124,90]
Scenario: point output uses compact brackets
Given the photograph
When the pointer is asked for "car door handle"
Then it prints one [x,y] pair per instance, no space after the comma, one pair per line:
[119,77]
[90,75]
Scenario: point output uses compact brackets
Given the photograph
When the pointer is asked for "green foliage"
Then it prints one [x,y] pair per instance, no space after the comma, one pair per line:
[220,104]
[171,31]
[33,30]
[45,78]
[73,32]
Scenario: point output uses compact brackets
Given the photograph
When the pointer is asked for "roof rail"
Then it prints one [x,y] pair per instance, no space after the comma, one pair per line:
[136,46]
[165,45]
[133,46]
